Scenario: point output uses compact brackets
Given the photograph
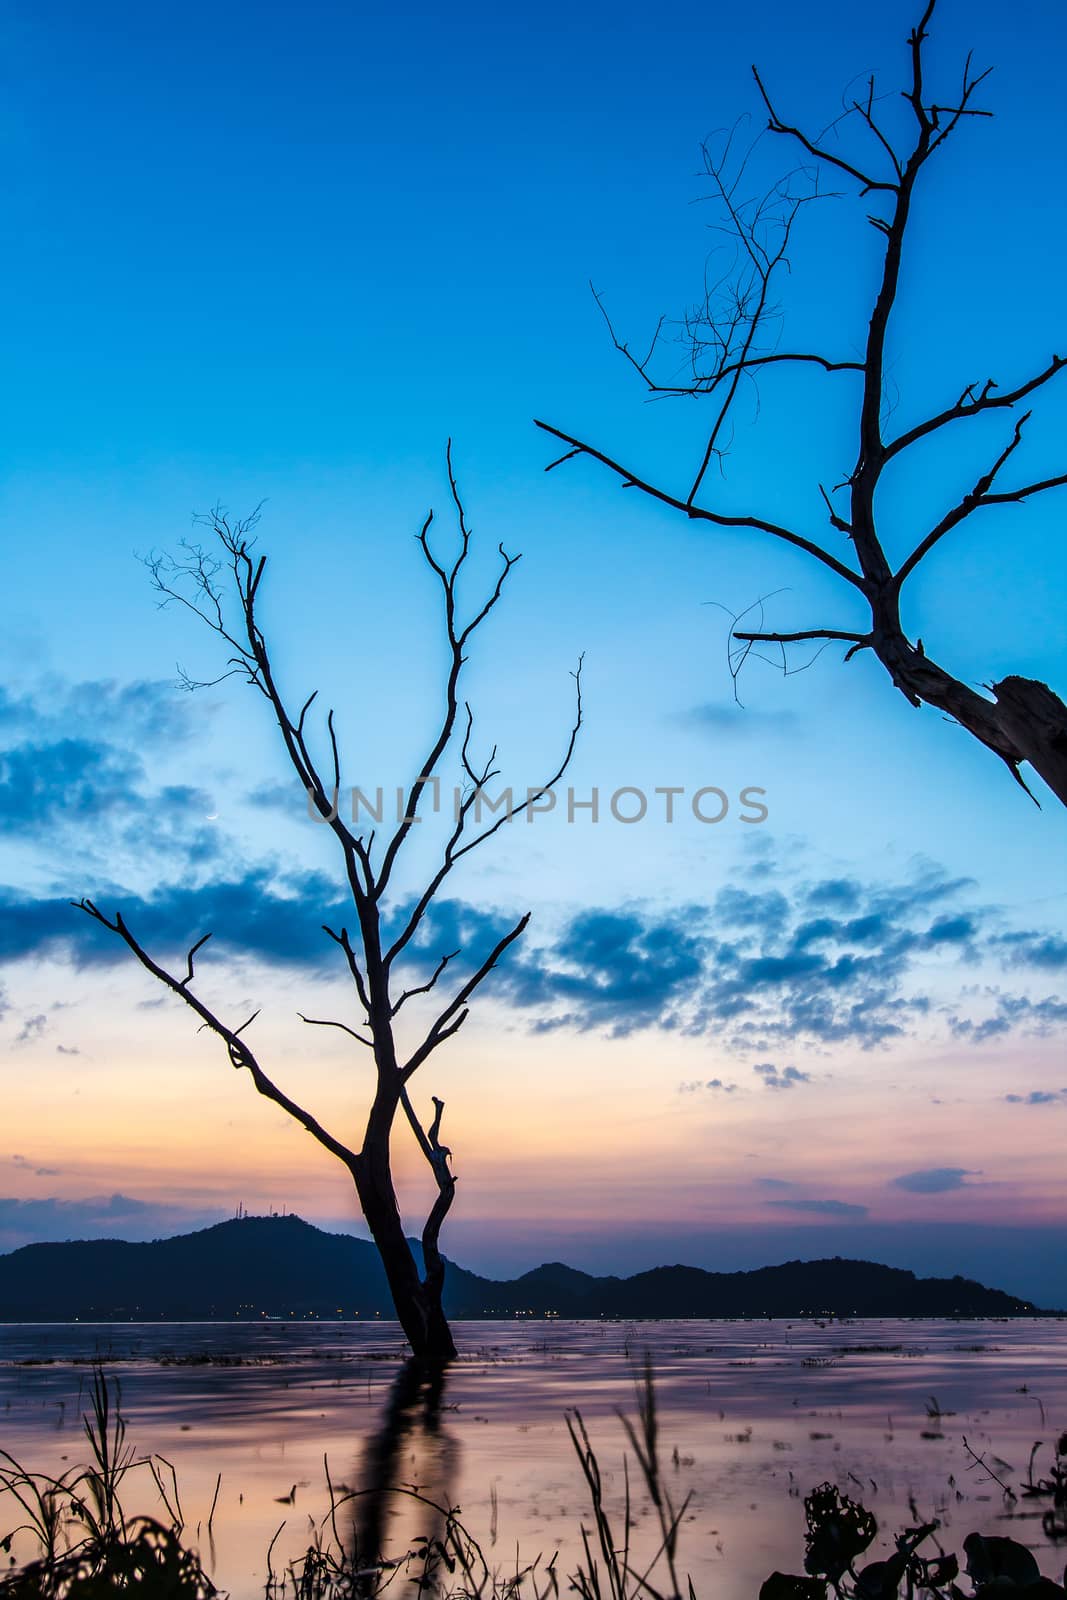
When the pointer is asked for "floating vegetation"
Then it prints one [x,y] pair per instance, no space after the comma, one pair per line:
[840,1530]
[869,1349]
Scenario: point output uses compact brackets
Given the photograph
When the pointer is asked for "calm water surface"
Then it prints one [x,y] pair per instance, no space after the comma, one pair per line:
[752,1416]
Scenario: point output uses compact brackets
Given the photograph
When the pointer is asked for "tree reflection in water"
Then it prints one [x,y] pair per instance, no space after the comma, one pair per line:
[409,1450]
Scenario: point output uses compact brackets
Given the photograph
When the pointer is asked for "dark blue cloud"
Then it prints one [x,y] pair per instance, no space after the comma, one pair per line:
[1046,951]
[258,914]
[77,779]
[830,962]
[934,1180]
[447,925]
[619,970]
[1038,1097]
[757,970]
[825,1208]
[840,894]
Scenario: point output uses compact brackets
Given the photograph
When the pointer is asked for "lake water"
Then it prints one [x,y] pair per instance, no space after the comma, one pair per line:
[752,1416]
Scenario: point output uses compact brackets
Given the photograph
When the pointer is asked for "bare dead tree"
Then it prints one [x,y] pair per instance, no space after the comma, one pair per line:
[732,340]
[209,584]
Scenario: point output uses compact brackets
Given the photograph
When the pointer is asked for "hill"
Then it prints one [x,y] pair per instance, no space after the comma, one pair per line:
[281,1266]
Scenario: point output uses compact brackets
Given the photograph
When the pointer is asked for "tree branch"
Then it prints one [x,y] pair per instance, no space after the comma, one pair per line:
[320,1022]
[972,402]
[239,1052]
[698,513]
[424,988]
[978,496]
[808,633]
[454,849]
[776,125]
[455,1014]
[345,943]
[457,637]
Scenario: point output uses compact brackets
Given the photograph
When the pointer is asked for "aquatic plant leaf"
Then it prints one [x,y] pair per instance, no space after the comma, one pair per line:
[933,1572]
[880,1580]
[787,1586]
[991,1559]
[839,1529]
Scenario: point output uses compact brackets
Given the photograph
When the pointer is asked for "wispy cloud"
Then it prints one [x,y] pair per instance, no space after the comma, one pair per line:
[25,1165]
[825,1208]
[786,1078]
[139,713]
[1011,1013]
[721,717]
[32,1028]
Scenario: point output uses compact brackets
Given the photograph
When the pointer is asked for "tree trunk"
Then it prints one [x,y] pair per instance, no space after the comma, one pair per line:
[417,1302]
[1035,719]
[1025,721]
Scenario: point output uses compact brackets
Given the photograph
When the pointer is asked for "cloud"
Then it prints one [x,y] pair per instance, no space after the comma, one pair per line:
[1038,1097]
[785,1079]
[145,711]
[718,717]
[760,969]
[825,1208]
[1011,1013]
[115,1216]
[25,1165]
[68,779]
[840,894]
[276,917]
[32,1028]
[827,962]
[1045,951]
[78,758]
[774,1183]
[710,1083]
[934,1180]
[620,970]
[284,797]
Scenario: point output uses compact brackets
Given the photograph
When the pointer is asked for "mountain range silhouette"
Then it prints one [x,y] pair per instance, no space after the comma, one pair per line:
[281,1266]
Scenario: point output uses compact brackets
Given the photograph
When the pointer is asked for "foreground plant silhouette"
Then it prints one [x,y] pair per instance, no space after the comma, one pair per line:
[840,1531]
[224,591]
[89,1546]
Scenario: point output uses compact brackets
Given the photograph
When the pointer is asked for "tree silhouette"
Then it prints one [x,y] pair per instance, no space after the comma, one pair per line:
[731,339]
[209,584]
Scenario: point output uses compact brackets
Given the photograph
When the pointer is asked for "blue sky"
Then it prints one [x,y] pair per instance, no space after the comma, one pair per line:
[281,257]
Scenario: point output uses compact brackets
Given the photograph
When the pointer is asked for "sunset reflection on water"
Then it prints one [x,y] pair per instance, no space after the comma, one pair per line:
[752,1416]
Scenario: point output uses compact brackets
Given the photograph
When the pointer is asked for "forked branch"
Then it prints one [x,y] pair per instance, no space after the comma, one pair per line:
[240,1053]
